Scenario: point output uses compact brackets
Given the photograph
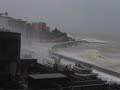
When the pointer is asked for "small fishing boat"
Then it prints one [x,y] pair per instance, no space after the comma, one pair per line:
[79,70]
[83,66]
[82,69]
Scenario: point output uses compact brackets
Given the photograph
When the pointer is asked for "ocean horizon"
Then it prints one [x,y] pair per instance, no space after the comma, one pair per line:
[111,37]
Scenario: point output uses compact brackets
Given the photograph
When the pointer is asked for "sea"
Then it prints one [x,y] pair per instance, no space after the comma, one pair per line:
[105,55]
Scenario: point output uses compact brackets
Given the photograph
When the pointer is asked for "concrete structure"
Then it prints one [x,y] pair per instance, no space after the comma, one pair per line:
[9,54]
[45,81]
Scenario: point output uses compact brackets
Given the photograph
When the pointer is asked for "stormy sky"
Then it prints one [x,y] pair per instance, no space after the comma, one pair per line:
[68,15]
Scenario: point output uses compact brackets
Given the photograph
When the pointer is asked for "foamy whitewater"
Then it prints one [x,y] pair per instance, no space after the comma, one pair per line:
[104,54]
[35,49]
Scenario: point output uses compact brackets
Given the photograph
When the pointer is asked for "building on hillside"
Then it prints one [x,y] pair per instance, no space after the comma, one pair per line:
[26,29]
[40,26]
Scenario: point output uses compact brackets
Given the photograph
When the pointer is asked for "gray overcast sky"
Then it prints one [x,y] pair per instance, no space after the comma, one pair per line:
[77,15]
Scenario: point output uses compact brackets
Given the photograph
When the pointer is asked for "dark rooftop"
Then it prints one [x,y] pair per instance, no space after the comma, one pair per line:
[9,35]
[47,76]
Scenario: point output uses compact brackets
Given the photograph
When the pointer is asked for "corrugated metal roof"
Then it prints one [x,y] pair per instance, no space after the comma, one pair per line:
[47,76]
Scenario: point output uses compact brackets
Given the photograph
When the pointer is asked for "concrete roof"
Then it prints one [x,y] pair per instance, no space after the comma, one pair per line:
[47,76]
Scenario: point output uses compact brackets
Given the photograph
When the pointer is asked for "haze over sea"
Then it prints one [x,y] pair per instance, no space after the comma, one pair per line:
[102,36]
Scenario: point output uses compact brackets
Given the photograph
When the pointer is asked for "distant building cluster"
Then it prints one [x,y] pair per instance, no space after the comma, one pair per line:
[39,31]
[21,26]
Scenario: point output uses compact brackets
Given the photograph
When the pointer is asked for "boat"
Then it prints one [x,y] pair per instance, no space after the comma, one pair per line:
[87,75]
[83,66]
[82,69]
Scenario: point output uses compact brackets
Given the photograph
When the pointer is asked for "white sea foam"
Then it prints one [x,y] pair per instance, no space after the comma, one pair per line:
[93,40]
[104,54]
[33,49]
[107,77]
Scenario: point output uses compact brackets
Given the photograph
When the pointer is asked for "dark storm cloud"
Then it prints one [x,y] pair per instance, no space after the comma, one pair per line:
[77,15]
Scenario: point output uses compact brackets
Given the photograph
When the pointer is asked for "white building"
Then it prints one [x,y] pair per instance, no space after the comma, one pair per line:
[11,24]
[18,25]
